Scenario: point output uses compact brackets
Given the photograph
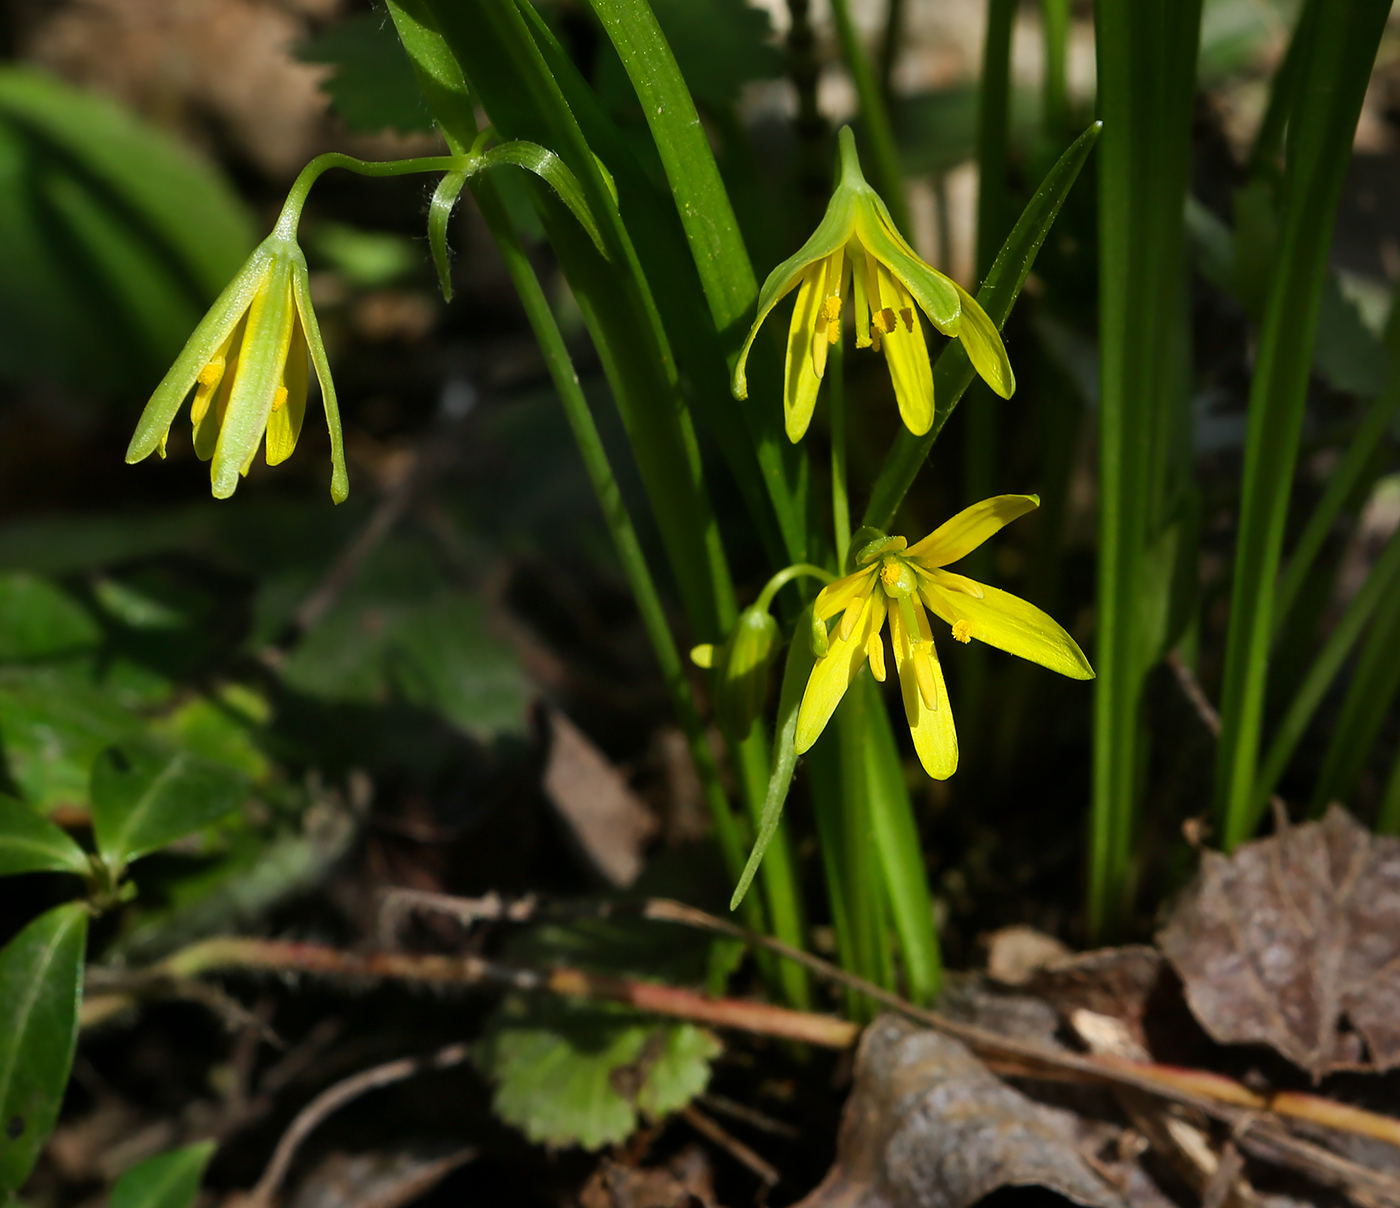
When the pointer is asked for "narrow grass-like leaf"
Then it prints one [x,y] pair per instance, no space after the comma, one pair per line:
[1375,680]
[40,986]
[795,672]
[1382,583]
[439,215]
[555,173]
[168,1180]
[31,843]
[1343,47]
[953,372]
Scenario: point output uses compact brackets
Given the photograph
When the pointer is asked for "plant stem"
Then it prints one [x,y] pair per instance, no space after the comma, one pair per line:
[875,118]
[1055,16]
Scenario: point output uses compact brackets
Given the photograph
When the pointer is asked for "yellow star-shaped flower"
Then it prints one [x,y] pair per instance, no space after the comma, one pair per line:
[857,249]
[902,583]
[249,364]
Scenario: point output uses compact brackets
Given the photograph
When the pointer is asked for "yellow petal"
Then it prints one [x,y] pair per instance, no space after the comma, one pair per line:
[801,379]
[982,342]
[860,300]
[833,672]
[935,736]
[1009,623]
[907,356]
[284,424]
[209,418]
[959,536]
[836,597]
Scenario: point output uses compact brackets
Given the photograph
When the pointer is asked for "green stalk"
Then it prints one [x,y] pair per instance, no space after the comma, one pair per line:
[507,70]
[889,48]
[1055,16]
[1147,60]
[876,131]
[1382,583]
[1324,117]
[953,372]
[1344,480]
[716,245]
[1375,681]
[897,847]
[1388,817]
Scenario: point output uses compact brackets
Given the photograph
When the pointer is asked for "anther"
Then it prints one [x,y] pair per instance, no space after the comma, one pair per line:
[962,630]
[907,314]
[875,652]
[883,320]
[923,675]
[212,374]
[279,400]
[831,308]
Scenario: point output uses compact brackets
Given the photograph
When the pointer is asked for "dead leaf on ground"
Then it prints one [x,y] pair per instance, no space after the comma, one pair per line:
[375,1180]
[1119,982]
[928,1124]
[1294,942]
[609,821]
[686,1181]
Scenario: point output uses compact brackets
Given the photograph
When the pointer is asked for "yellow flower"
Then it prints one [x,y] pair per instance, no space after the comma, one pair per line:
[249,364]
[911,580]
[857,248]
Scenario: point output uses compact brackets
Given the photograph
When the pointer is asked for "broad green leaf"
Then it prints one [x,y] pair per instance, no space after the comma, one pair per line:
[31,843]
[402,634]
[372,86]
[168,1180]
[40,987]
[146,795]
[369,259]
[584,1075]
[39,620]
[52,728]
[114,237]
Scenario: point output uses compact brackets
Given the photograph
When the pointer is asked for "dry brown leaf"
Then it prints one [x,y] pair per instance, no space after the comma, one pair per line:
[927,1124]
[609,821]
[375,1180]
[1294,942]
[686,1181]
[1108,981]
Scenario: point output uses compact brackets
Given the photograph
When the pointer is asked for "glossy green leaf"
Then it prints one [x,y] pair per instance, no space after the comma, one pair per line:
[554,172]
[372,87]
[146,795]
[168,1180]
[40,986]
[953,372]
[114,237]
[29,842]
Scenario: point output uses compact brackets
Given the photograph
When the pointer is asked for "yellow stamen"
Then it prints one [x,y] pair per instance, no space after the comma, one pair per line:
[962,630]
[875,652]
[907,314]
[209,378]
[851,616]
[883,321]
[831,308]
[279,400]
[923,673]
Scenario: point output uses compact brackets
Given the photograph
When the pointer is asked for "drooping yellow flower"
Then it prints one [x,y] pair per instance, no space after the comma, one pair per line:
[857,250]
[249,364]
[906,584]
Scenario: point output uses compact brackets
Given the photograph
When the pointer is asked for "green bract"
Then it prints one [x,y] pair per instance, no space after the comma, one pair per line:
[249,364]
[857,247]
[741,669]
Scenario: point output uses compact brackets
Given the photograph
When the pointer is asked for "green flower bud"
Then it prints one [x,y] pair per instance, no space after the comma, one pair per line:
[741,670]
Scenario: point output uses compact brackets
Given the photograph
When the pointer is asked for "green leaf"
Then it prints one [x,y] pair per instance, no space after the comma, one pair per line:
[796,670]
[583,1075]
[720,45]
[168,1180]
[953,372]
[40,620]
[555,173]
[31,843]
[368,259]
[40,986]
[146,795]
[372,87]
[115,237]
[401,634]
[52,729]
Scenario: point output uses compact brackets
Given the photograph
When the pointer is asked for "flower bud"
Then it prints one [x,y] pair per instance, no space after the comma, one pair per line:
[741,671]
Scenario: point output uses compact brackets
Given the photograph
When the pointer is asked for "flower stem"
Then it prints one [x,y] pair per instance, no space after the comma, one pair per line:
[290,216]
[786,576]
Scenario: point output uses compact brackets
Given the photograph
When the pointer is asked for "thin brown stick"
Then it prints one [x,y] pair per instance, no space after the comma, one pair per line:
[749,1115]
[333,1099]
[1191,688]
[735,1148]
